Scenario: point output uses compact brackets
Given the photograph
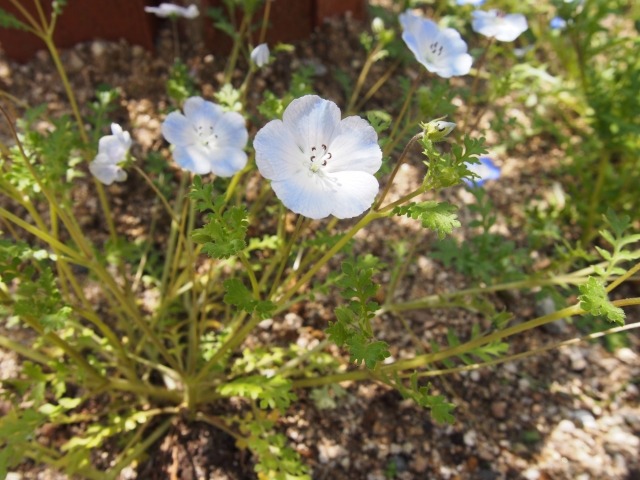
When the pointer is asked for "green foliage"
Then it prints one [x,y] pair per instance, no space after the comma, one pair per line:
[448,169]
[484,256]
[327,396]
[58,6]
[439,217]
[301,84]
[621,241]
[180,85]
[239,296]
[7,20]
[352,327]
[53,153]
[37,296]
[274,392]
[484,353]
[275,460]
[594,299]
[441,410]
[229,98]
[17,430]
[224,233]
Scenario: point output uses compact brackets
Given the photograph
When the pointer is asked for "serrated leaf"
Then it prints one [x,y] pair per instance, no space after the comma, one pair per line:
[439,217]
[594,300]
[370,353]
[274,392]
[238,295]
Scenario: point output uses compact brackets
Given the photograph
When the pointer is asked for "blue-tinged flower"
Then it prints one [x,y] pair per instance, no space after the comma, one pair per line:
[112,151]
[260,55]
[165,10]
[207,139]
[441,51]
[496,24]
[486,170]
[475,3]
[558,23]
[318,164]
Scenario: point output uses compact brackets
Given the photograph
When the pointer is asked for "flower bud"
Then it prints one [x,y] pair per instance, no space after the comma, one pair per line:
[437,129]
[377,25]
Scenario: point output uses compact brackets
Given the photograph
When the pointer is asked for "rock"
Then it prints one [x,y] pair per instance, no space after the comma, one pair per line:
[499,409]
[419,464]
[621,441]
[576,357]
[470,438]
[74,62]
[584,419]
[627,356]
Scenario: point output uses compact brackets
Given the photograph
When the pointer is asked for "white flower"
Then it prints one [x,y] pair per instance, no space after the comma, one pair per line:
[112,150]
[165,10]
[318,164]
[501,26]
[260,55]
[441,51]
[206,138]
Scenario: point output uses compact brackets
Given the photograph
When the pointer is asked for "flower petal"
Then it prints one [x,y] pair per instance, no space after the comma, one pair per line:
[355,147]
[231,130]
[277,155]
[105,171]
[201,112]
[226,162]
[355,193]
[195,158]
[312,120]
[304,194]
[177,130]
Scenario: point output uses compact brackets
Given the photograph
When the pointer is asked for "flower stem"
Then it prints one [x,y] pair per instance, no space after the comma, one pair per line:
[396,169]
[474,85]
[403,112]
[363,222]
[423,360]
[265,22]
[362,77]
[300,224]
[594,201]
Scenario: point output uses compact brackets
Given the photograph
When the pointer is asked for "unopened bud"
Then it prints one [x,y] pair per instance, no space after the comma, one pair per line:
[377,25]
[437,129]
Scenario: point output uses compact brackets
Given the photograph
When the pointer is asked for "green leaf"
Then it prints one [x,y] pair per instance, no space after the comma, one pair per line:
[594,300]
[439,217]
[7,20]
[202,194]
[440,409]
[238,295]
[274,392]
[224,234]
[369,352]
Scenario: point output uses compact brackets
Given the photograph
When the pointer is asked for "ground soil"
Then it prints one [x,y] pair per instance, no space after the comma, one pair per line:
[570,413]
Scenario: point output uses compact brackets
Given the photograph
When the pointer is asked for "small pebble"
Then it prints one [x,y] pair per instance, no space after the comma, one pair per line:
[499,409]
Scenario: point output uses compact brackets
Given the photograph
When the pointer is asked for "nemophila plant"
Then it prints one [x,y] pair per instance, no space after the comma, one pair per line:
[441,51]
[112,152]
[265,215]
[206,139]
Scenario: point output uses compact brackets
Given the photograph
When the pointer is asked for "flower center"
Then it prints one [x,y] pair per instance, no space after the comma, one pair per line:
[436,48]
[205,134]
[319,158]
